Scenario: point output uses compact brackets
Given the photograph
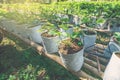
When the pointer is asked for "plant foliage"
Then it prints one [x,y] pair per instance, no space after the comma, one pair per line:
[117,36]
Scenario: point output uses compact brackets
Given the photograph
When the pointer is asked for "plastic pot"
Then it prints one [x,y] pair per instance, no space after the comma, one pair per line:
[112,71]
[69,31]
[112,47]
[34,34]
[74,61]
[89,41]
[51,43]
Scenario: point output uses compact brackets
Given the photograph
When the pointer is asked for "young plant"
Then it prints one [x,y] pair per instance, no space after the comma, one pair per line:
[117,37]
[93,21]
[49,30]
[73,43]
[65,26]
[87,20]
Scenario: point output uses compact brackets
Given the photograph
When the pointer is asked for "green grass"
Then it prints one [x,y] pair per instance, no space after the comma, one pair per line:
[18,61]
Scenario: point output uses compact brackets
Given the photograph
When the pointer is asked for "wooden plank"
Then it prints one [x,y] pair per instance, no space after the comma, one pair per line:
[100,46]
[98,50]
[98,64]
[93,69]
[94,51]
[98,53]
[78,74]
[94,64]
[93,57]
[85,76]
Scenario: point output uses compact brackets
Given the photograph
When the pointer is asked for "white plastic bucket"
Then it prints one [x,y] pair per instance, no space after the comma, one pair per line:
[112,47]
[35,34]
[69,31]
[89,41]
[74,61]
[51,43]
[112,71]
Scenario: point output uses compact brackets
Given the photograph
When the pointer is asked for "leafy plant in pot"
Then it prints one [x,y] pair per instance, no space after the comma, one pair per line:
[71,51]
[66,28]
[89,38]
[90,34]
[50,36]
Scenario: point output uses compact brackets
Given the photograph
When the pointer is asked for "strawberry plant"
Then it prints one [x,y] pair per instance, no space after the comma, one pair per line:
[117,36]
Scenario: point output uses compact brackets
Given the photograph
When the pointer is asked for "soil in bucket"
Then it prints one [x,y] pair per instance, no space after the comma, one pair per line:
[89,32]
[71,54]
[69,47]
[47,35]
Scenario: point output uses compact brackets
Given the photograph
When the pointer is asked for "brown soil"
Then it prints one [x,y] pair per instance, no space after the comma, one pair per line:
[47,35]
[89,32]
[118,54]
[69,47]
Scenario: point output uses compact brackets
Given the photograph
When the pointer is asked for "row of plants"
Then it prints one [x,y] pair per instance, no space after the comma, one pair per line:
[93,14]
[70,47]
[70,44]
[67,40]
[71,38]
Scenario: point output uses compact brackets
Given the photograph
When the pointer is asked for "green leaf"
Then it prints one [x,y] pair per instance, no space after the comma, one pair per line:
[117,36]
[100,20]
[51,32]
[64,34]
[79,43]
